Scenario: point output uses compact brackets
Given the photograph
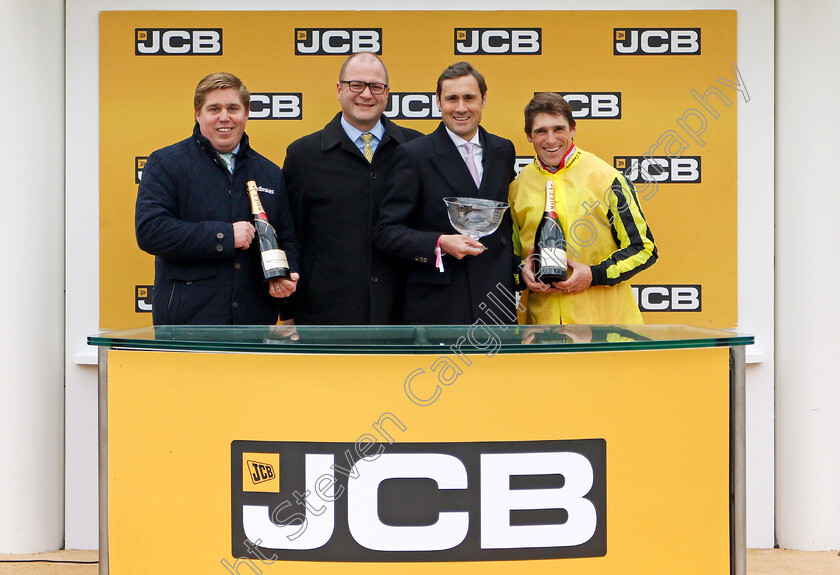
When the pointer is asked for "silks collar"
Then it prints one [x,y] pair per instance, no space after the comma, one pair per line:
[568,158]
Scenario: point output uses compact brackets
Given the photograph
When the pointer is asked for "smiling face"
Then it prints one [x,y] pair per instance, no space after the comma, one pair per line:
[362,109]
[222,119]
[460,102]
[551,137]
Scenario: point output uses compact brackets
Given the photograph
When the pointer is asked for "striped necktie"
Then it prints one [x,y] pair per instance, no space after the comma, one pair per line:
[228,161]
[368,151]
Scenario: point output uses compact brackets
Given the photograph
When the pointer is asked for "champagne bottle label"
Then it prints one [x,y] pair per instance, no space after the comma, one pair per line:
[553,257]
[256,204]
[274,259]
[549,197]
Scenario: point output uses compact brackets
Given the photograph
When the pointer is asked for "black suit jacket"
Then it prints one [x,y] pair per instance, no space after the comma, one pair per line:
[413,216]
[335,195]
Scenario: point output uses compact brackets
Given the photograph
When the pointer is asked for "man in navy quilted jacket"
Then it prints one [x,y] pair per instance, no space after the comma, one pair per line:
[193,214]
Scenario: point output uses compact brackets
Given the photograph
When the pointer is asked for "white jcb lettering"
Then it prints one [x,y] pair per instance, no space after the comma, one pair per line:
[362,509]
[525,42]
[498,41]
[685,298]
[207,42]
[300,531]
[655,298]
[498,500]
[175,42]
[685,170]
[657,41]
[339,41]
[591,105]
[277,106]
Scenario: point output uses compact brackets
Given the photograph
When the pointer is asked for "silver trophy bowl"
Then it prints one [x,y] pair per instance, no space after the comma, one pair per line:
[475,217]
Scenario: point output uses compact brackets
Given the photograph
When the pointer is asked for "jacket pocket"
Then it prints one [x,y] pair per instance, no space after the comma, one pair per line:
[192,289]
[193,271]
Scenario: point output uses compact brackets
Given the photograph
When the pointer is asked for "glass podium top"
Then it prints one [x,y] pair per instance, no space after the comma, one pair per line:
[418,339]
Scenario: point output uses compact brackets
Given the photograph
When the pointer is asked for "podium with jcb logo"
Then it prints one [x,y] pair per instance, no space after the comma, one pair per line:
[422,449]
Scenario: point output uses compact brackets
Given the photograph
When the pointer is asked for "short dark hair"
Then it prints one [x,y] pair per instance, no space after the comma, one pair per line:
[220,81]
[369,55]
[547,103]
[459,70]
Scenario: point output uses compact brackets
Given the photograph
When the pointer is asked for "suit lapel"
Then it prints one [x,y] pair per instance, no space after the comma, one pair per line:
[450,164]
[491,165]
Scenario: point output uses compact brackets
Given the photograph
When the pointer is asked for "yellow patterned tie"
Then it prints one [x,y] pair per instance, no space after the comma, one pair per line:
[368,151]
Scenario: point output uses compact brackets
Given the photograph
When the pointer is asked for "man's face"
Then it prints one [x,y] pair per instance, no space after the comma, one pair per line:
[222,119]
[460,103]
[362,109]
[551,136]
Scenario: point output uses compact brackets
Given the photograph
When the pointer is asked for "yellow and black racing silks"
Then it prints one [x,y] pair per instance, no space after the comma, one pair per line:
[605,229]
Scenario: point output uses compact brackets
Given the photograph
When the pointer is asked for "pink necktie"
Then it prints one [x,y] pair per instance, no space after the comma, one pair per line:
[471,164]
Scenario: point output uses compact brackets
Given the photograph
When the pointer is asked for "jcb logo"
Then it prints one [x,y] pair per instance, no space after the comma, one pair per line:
[260,472]
[331,41]
[594,105]
[668,297]
[178,42]
[396,502]
[656,41]
[498,41]
[139,164]
[412,106]
[143,299]
[276,106]
[684,170]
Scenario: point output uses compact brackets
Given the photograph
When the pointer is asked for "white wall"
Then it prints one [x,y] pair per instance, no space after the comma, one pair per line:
[32,293]
[755,161]
[808,277]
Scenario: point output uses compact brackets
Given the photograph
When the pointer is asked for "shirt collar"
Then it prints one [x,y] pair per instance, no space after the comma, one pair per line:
[459,141]
[353,132]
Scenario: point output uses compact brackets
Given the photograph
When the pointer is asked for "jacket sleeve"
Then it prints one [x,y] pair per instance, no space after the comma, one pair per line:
[637,250]
[163,229]
[394,234]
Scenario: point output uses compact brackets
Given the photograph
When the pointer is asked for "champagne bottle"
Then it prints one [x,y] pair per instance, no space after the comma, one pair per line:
[550,242]
[274,262]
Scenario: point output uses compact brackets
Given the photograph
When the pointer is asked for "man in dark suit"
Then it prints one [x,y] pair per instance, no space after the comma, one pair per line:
[336,181]
[451,278]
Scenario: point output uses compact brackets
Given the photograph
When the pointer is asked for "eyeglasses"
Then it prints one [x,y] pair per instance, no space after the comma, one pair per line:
[376,88]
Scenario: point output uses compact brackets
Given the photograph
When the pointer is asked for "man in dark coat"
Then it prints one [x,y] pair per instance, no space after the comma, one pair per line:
[451,278]
[193,214]
[335,191]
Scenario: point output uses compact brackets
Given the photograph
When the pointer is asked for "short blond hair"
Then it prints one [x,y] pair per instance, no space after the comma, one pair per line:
[220,81]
